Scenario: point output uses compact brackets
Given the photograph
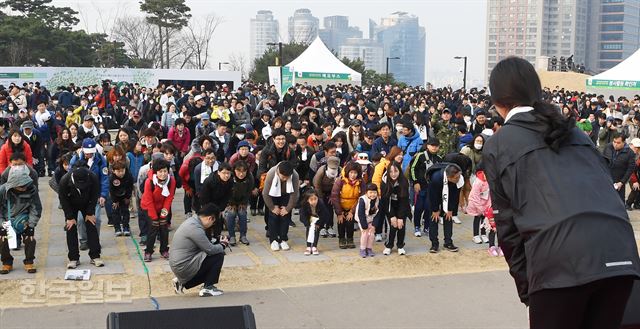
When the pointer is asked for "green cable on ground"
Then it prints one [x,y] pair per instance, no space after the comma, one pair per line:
[154,302]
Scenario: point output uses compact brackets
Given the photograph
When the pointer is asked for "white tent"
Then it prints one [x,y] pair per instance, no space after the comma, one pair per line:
[621,80]
[317,65]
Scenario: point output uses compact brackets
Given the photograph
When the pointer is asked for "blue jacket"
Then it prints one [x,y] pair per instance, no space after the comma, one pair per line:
[99,167]
[135,163]
[464,140]
[380,146]
[410,146]
[45,129]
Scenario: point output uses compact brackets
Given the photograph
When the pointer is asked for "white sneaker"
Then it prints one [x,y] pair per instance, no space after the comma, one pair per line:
[401,251]
[378,237]
[210,291]
[386,251]
[456,220]
[284,245]
[332,233]
[477,239]
[485,239]
[323,233]
[275,246]
[73,264]
[417,232]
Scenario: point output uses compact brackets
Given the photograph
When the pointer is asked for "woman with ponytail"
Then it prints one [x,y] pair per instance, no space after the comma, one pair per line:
[554,203]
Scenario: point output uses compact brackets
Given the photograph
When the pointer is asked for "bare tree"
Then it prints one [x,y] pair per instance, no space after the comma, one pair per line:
[198,36]
[238,62]
[139,38]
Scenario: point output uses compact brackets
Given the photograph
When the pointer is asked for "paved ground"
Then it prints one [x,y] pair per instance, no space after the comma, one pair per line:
[478,300]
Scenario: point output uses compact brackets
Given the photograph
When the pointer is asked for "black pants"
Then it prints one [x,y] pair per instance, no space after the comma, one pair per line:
[278,227]
[329,223]
[143,220]
[92,238]
[634,199]
[598,305]
[383,226]
[120,216]
[345,229]
[492,238]
[433,231]
[477,221]
[161,231]
[622,192]
[29,251]
[392,235]
[209,272]
[187,204]
[316,237]
[256,202]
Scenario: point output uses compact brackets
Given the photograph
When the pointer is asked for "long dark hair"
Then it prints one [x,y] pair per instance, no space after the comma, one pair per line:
[403,190]
[14,147]
[514,82]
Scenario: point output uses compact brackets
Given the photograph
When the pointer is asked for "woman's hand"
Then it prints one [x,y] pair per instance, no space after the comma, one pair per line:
[435,215]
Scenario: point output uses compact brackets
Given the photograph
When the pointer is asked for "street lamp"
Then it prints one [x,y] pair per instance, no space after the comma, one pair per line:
[464,79]
[220,65]
[386,76]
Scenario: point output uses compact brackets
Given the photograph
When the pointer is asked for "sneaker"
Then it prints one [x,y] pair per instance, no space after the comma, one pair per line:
[143,240]
[210,291]
[370,252]
[260,212]
[332,233]
[500,251]
[97,262]
[73,264]
[284,246]
[425,230]
[296,212]
[378,237]
[133,214]
[6,269]
[363,253]
[84,246]
[456,220]
[177,286]
[275,246]
[232,241]
[401,251]
[189,214]
[118,233]
[244,240]
[164,254]
[417,232]
[110,224]
[477,239]
[342,243]
[315,251]
[484,238]
[291,223]
[307,252]
[147,257]
[386,251]
[126,232]
[493,251]
[254,212]
[434,249]
[30,268]
[324,233]
[451,247]
[350,244]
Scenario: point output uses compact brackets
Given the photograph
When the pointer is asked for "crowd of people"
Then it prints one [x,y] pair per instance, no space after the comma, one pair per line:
[336,159]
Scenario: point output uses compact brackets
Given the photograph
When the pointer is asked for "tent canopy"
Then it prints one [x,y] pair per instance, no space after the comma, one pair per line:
[621,80]
[318,64]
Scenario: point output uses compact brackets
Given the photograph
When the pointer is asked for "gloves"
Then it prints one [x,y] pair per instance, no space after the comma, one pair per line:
[155,223]
[163,222]
[28,232]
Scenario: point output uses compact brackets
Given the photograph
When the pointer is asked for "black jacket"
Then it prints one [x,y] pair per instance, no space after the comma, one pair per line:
[322,212]
[559,221]
[120,188]
[80,193]
[215,191]
[436,184]
[621,163]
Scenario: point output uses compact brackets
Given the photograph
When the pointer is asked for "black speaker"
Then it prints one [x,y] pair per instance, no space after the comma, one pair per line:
[232,317]
[631,319]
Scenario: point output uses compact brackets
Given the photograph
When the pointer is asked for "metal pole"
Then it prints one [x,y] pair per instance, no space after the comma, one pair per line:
[281,64]
[219,66]
[386,75]
[464,79]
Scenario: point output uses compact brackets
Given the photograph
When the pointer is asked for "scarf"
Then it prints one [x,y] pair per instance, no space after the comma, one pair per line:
[276,189]
[164,186]
[206,171]
[445,190]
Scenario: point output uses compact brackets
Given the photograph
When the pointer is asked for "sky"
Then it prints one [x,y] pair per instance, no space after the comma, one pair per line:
[453,27]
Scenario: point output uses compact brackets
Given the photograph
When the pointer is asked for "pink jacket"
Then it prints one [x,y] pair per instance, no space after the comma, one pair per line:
[181,142]
[479,198]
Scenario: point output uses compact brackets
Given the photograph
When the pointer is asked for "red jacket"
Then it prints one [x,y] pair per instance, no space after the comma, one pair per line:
[634,175]
[101,101]
[6,151]
[152,199]
[181,143]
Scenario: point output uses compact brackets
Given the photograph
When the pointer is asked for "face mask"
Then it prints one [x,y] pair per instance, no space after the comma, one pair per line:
[380,113]
[398,128]
[352,116]
[240,136]
[55,102]
[339,150]
[332,173]
[477,146]
[102,131]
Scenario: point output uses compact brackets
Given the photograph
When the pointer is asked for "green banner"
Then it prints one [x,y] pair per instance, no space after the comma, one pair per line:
[287,79]
[318,75]
[614,84]
[24,75]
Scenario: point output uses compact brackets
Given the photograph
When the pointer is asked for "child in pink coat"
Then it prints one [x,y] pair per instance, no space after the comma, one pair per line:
[479,201]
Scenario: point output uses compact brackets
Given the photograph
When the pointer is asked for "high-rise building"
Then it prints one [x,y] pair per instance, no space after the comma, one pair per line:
[303,26]
[614,33]
[336,31]
[533,28]
[401,36]
[371,52]
[264,29]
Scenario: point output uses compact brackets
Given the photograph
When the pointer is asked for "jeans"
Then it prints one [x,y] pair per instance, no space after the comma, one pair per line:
[448,231]
[422,209]
[29,251]
[278,227]
[120,216]
[93,238]
[230,217]
[209,272]
[598,304]
[82,231]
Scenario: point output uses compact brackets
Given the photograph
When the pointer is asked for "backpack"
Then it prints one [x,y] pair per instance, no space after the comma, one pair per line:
[436,167]
[193,163]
